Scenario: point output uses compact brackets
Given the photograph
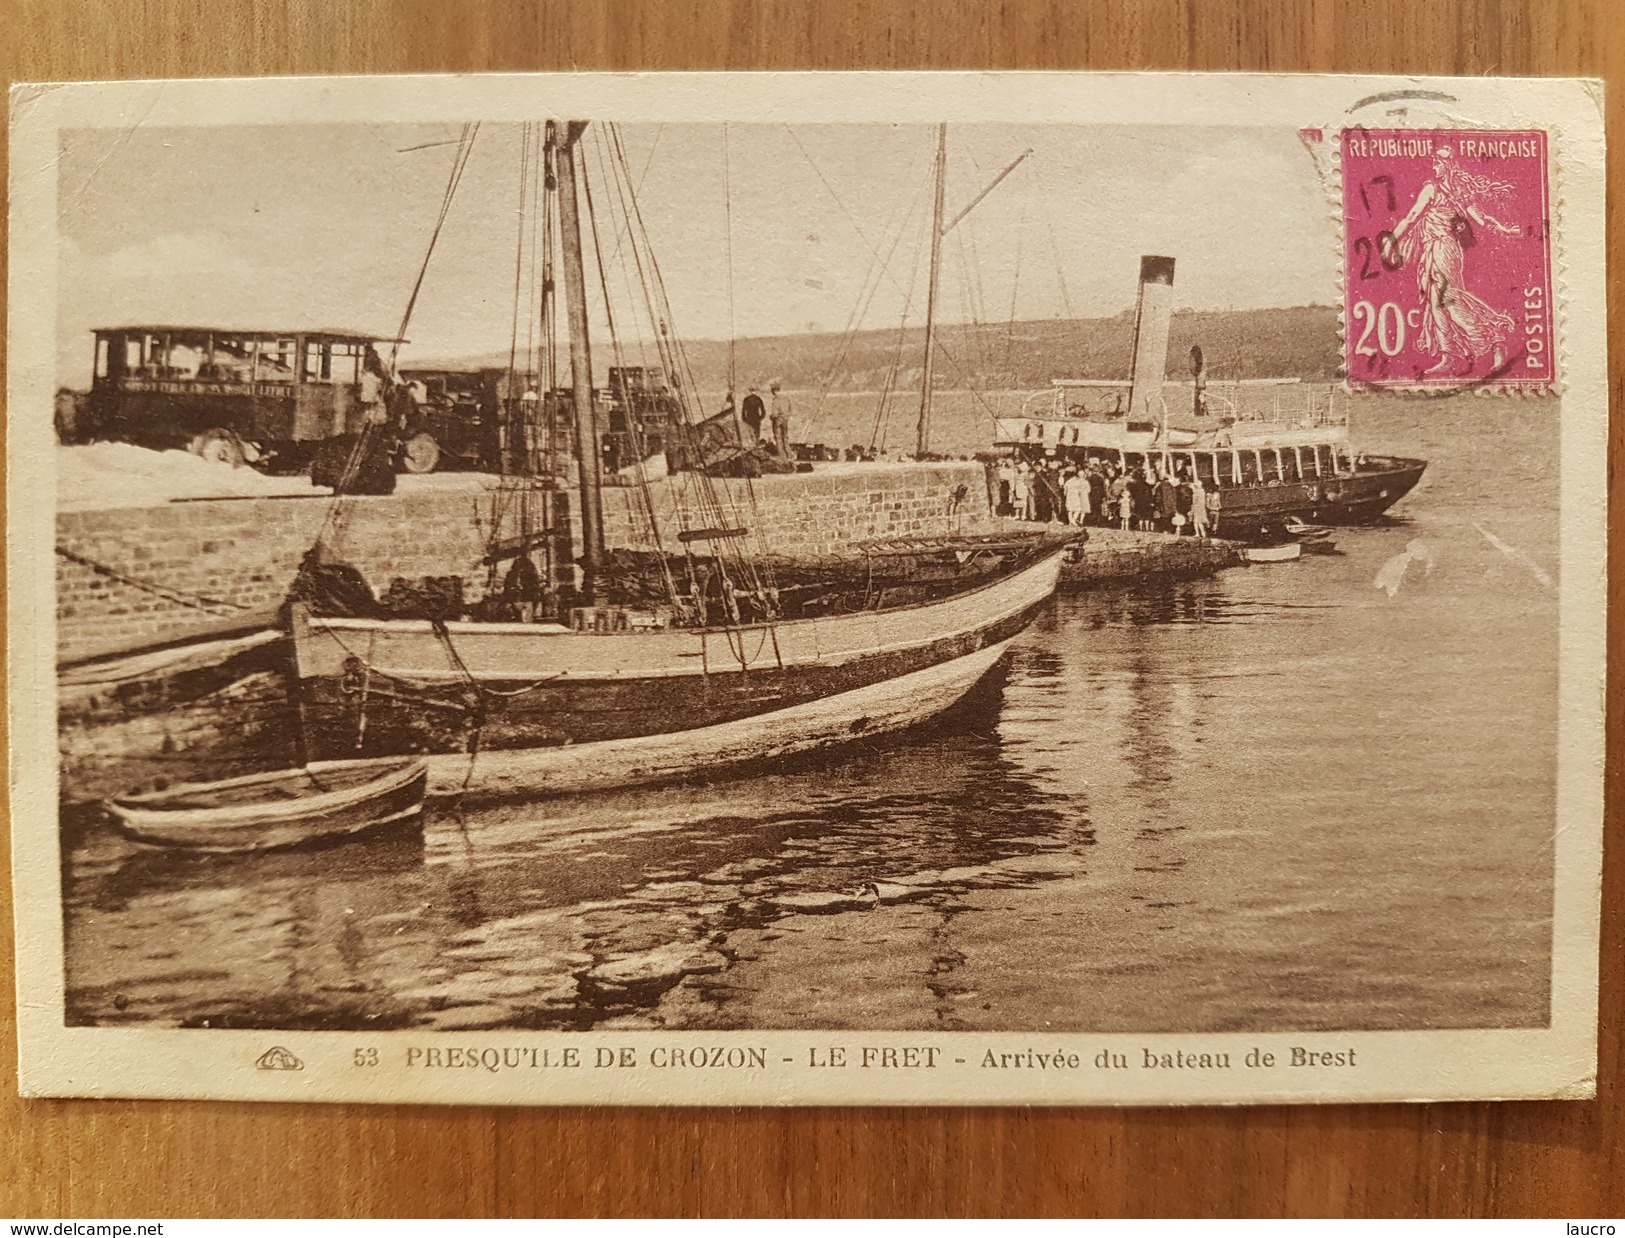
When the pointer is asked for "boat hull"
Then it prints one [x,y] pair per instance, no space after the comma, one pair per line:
[391,793]
[1357,498]
[550,711]
[645,760]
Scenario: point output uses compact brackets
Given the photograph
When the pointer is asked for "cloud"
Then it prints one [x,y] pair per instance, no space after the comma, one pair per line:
[173,277]
[205,258]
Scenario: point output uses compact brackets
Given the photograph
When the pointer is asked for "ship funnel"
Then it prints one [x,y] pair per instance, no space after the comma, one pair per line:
[1151,338]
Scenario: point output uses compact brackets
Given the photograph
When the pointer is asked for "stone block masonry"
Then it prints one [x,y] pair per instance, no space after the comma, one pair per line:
[134,577]
[818,513]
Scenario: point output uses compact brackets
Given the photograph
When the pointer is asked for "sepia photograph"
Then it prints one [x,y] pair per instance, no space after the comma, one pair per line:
[1058,608]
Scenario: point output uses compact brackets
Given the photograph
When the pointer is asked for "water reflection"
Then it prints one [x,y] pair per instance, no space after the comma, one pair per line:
[1279,798]
[564,913]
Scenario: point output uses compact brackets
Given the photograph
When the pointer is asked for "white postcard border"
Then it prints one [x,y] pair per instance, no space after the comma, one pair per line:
[55,1060]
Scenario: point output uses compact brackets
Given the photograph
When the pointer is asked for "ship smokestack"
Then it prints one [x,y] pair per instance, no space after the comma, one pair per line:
[1151,338]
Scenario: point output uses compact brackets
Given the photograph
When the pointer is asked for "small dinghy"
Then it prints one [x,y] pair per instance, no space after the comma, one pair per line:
[323,801]
[1283,553]
[1304,531]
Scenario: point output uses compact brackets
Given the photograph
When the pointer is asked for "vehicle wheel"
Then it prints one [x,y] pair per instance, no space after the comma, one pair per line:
[221,446]
[421,454]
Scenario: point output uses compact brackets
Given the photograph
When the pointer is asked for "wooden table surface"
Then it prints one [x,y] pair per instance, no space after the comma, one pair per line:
[86,1159]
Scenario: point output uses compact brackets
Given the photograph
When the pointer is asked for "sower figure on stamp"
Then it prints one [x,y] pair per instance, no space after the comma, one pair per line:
[1434,234]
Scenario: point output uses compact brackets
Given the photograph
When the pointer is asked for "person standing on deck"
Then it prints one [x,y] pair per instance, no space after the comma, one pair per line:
[752,412]
[1043,492]
[1057,494]
[1006,473]
[1183,501]
[1167,503]
[1213,504]
[1198,507]
[1021,491]
[1125,504]
[1116,488]
[1140,494]
[1096,485]
[780,418]
[1077,498]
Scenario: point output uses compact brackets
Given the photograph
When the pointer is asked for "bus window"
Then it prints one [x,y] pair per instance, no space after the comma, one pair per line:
[232,359]
[276,360]
[183,360]
[346,365]
[1269,466]
[1290,468]
[1249,467]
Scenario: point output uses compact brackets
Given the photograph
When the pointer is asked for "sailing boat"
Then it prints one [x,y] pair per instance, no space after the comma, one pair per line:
[745,659]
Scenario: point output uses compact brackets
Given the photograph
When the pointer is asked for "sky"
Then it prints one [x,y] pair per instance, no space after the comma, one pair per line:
[759,229]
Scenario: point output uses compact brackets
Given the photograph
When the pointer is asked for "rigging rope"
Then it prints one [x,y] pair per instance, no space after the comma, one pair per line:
[745,568]
[519,251]
[728,227]
[181,597]
[634,430]
[363,441]
[1015,290]
[882,426]
[465,147]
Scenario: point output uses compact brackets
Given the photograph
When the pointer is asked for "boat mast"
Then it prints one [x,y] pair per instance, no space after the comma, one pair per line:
[922,434]
[922,440]
[589,452]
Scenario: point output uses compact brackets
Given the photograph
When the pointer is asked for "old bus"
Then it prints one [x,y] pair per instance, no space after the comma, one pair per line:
[255,396]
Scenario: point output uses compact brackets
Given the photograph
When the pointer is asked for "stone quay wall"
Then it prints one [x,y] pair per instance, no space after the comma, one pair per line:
[133,577]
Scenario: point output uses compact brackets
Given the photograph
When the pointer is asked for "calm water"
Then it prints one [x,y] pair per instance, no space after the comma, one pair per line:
[1275,799]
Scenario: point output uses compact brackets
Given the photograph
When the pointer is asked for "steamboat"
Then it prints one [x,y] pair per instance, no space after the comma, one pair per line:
[1275,451]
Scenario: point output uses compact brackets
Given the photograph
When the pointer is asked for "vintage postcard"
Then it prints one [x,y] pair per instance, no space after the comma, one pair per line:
[807,588]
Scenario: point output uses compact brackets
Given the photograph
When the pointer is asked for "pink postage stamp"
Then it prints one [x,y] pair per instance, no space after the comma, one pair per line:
[1447,259]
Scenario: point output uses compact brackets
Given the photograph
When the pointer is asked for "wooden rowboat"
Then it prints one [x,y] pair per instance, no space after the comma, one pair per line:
[322,801]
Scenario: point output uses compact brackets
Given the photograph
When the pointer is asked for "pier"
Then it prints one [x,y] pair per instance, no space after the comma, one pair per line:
[130,578]
[169,670]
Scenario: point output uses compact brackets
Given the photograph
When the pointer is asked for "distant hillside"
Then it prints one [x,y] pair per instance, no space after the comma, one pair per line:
[1297,342]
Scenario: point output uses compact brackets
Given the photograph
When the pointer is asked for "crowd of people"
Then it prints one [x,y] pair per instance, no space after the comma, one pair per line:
[1100,492]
